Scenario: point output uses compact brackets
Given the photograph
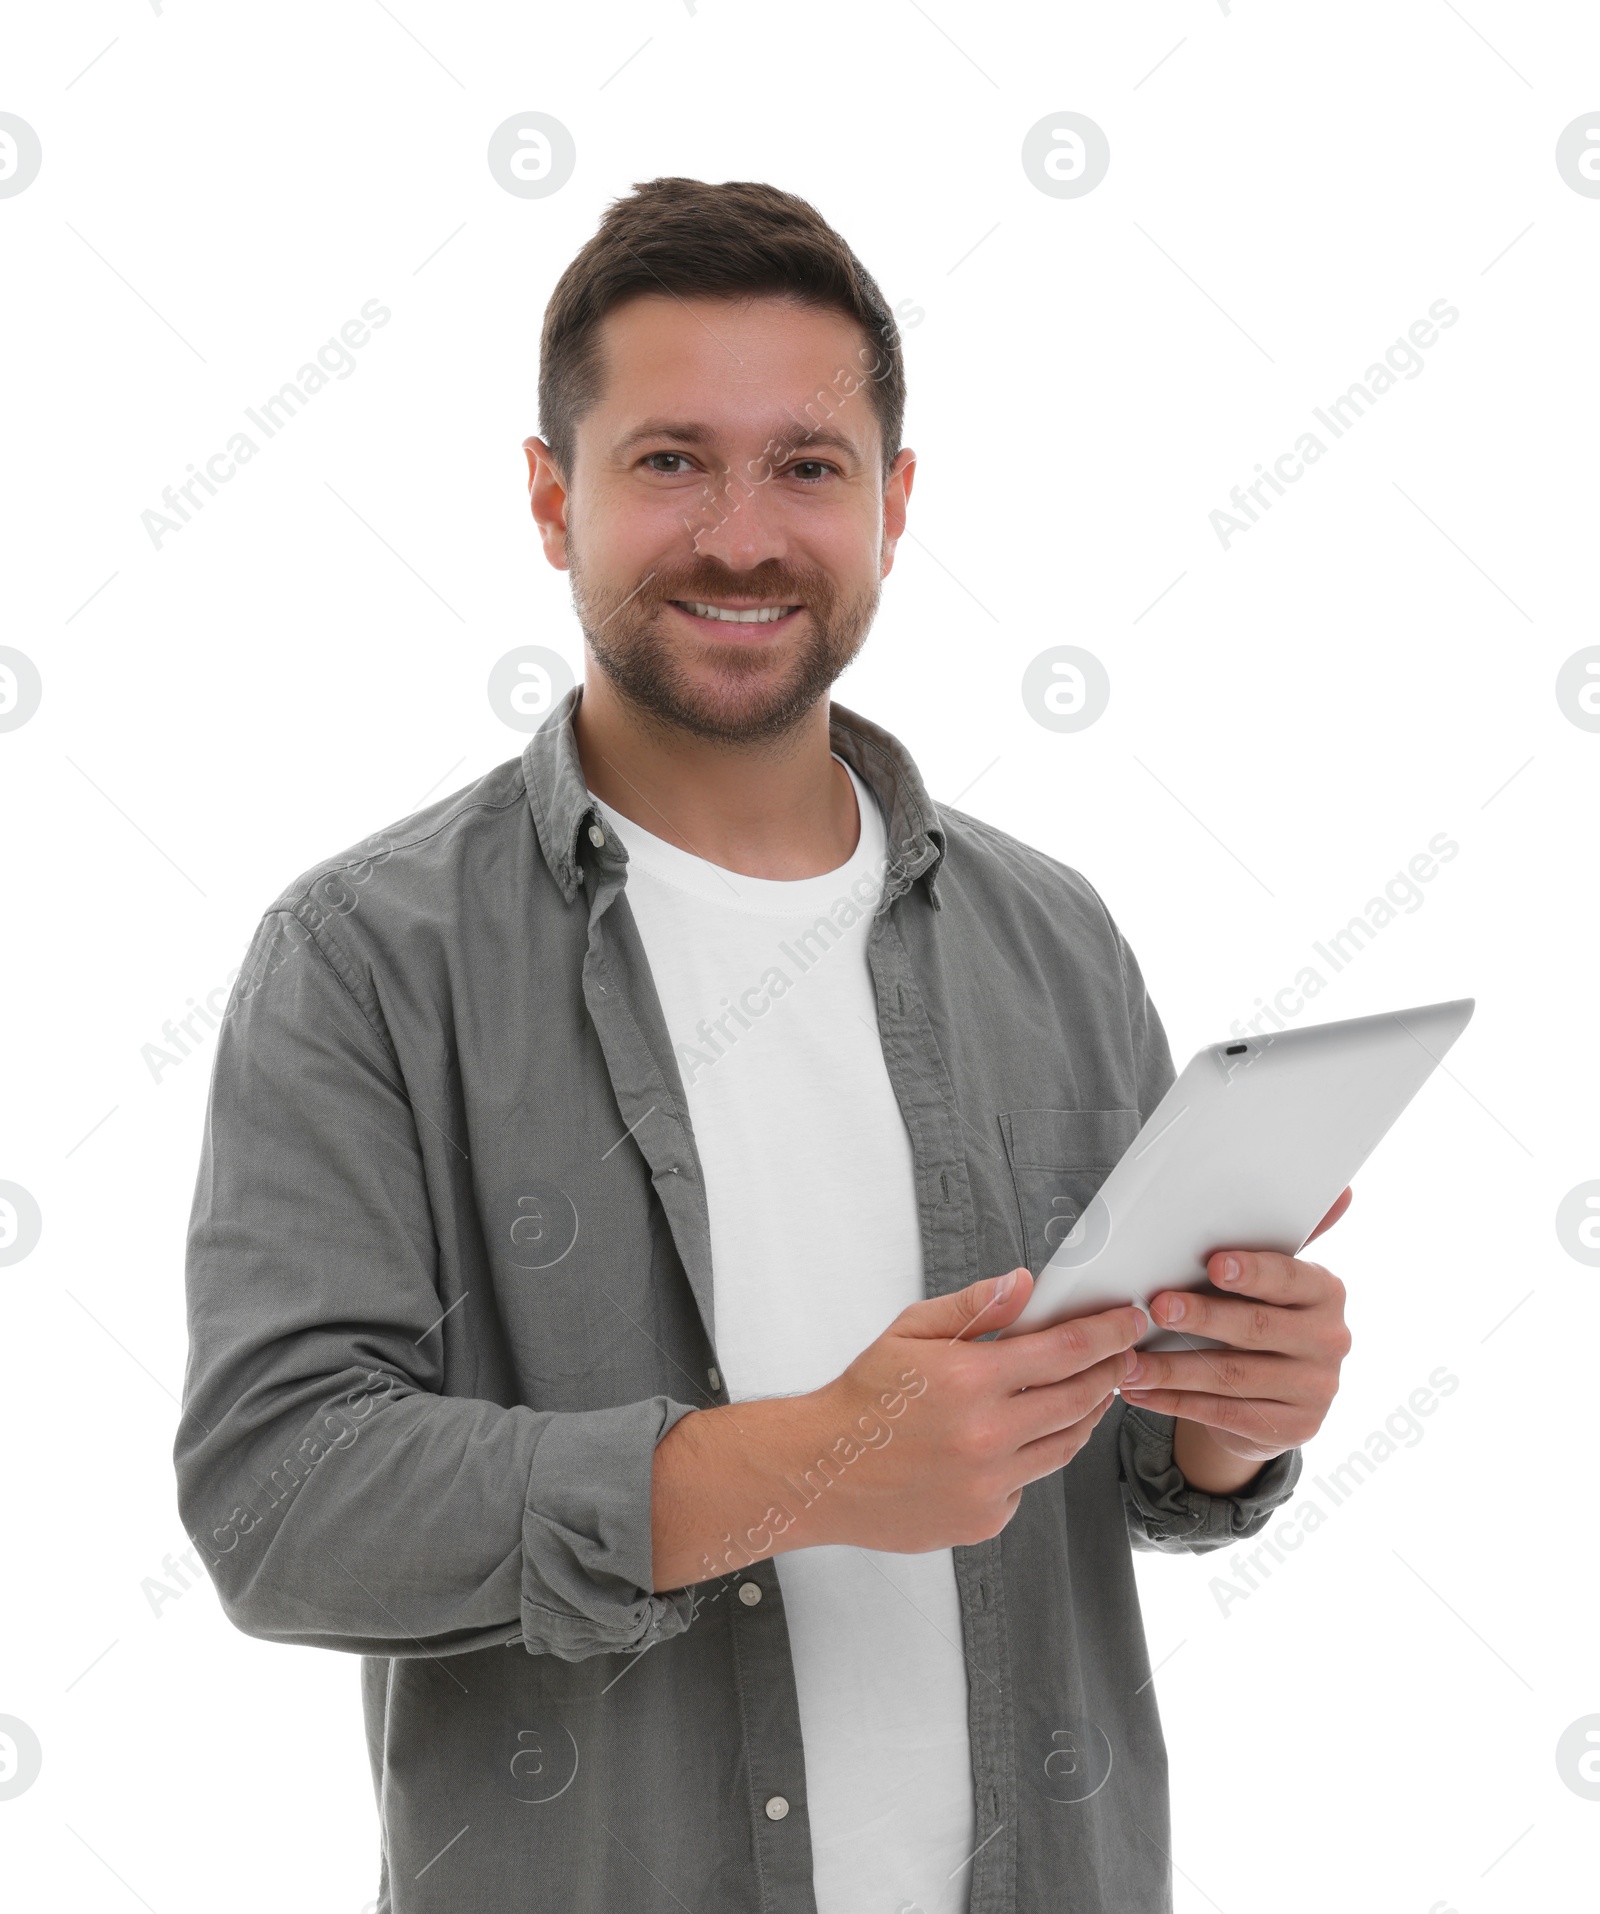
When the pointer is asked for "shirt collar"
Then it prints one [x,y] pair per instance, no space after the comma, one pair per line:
[563,810]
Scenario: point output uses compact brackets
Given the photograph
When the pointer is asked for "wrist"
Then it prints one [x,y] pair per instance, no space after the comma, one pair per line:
[796,1476]
[1206,1464]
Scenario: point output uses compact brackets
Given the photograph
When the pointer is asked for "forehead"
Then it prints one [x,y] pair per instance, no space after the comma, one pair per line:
[741,367]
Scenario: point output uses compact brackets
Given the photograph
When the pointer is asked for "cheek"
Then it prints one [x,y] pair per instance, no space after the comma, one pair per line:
[850,550]
[624,526]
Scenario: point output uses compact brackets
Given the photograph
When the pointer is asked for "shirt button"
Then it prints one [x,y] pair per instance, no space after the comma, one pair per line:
[749,1593]
[777,1808]
[713,1378]
[597,837]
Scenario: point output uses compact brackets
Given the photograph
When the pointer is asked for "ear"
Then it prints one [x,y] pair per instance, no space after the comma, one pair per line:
[547,498]
[896,494]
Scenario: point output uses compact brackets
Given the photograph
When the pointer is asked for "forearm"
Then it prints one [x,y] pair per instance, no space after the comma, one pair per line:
[722,1488]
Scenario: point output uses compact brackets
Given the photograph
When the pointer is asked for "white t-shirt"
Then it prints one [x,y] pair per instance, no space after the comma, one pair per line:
[769,1003]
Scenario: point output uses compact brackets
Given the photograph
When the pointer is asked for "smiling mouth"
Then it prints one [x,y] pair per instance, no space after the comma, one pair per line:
[734,614]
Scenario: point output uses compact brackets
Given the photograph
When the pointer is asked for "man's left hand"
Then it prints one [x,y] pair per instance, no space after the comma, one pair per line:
[1281,1320]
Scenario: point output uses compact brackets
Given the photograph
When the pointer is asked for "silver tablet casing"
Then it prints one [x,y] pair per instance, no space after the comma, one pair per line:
[1248,1149]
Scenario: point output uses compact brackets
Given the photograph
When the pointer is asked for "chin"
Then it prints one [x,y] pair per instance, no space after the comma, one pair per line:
[735,711]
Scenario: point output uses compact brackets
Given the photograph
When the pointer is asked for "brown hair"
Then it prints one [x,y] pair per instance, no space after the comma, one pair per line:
[686,236]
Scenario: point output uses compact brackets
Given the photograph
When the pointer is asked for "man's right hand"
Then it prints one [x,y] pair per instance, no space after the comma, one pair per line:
[925,1441]
[979,1422]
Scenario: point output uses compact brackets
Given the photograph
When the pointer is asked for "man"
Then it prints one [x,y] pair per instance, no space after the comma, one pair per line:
[608,1175]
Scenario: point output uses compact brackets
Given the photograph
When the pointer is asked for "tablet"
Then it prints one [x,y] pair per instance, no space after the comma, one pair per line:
[1249,1149]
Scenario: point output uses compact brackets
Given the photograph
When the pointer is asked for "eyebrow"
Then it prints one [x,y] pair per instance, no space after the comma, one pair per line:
[690,432]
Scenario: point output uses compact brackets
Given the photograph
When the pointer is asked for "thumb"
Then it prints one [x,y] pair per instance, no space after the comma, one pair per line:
[970,1312]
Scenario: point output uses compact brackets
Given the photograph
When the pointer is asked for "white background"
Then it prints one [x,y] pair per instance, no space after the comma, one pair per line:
[1373,663]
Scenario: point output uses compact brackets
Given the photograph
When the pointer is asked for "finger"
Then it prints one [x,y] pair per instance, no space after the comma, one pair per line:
[1041,1356]
[1340,1205]
[1240,1322]
[1036,1413]
[1051,1452]
[972,1311]
[1278,1424]
[1272,1278]
[1221,1372]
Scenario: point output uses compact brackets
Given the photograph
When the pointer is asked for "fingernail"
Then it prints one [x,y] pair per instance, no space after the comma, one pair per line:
[1003,1286]
[1135,1368]
[1230,1270]
[1149,1322]
[1176,1307]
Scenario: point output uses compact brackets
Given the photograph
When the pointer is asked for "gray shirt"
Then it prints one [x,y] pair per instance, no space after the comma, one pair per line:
[449,1283]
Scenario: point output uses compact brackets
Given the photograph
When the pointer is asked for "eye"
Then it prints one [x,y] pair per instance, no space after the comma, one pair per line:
[819,466]
[650,458]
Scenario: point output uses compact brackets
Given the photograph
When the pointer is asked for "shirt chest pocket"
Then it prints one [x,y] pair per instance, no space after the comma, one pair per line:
[1058,1159]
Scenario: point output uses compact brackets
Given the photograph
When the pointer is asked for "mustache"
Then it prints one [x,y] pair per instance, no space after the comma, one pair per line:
[780,586]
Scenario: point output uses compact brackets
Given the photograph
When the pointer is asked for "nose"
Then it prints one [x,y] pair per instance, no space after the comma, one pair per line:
[739,522]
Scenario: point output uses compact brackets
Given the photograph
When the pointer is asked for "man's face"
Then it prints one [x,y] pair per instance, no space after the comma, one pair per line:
[701,486]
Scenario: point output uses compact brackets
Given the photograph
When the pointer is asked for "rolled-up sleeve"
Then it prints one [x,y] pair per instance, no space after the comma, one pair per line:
[338,1497]
[1165,1513]
[586,1543]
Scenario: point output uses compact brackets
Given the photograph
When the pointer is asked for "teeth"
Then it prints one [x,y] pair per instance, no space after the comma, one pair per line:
[762,615]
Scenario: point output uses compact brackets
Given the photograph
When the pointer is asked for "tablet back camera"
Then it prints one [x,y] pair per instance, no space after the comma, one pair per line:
[1234,1057]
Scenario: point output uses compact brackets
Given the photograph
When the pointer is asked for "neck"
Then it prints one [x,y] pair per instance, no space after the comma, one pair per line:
[782,808]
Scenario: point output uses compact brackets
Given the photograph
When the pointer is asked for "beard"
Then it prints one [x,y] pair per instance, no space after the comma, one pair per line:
[730,693]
